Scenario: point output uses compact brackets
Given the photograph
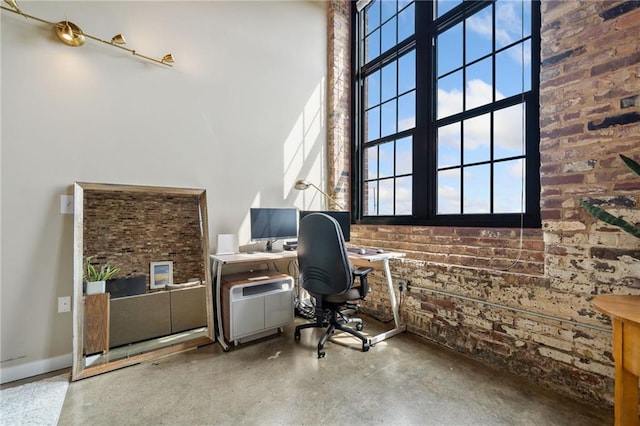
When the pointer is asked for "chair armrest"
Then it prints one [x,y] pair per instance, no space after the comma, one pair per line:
[364,283]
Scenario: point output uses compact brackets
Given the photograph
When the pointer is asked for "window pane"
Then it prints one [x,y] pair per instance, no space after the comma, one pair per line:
[473,65]
[404,156]
[510,79]
[372,16]
[372,124]
[508,187]
[477,139]
[479,35]
[407,72]
[406,22]
[443,6]
[508,132]
[513,21]
[449,138]
[386,159]
[479,87]
[404,193]
[449,48]
[450,95]
[407,111]
[372,89]
[389,35]
[477,189]
[372,46]
[449,192]
[389,81]
[371,161]
[385,198]
[388,118]
[389,8]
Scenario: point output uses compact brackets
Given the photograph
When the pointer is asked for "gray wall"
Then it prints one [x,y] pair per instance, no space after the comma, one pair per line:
[242,115]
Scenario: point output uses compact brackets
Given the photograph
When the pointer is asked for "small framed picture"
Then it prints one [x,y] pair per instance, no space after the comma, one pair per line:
[161,274]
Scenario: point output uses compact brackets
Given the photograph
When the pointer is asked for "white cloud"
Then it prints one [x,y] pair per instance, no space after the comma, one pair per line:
[448,199]
[449,103]
[507,122]
[407,123]
[481,24]
[517,169]
[509,27]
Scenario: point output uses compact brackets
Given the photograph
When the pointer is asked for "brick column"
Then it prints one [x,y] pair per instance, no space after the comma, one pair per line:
[339,100]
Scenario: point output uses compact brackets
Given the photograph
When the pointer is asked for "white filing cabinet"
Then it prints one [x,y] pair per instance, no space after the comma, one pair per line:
[255,304]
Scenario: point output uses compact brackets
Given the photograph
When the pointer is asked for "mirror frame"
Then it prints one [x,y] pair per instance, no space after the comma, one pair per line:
[79,371]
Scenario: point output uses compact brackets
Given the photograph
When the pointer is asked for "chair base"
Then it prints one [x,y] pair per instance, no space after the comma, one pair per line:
[332,325]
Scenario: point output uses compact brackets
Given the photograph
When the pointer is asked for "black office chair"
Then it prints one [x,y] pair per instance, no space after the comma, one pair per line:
[327,274]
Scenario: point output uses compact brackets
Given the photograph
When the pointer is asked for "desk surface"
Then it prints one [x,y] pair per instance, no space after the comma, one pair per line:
[624,307]
[283,255]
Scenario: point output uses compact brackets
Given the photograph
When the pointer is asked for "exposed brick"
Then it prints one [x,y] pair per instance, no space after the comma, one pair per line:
[574,129]
[562,80]
[607,253]
[591,61]
[562,179]
[618,120]
[620,9]
[560,57]
[631,19]
[630,102]
[615,64]
[138,234]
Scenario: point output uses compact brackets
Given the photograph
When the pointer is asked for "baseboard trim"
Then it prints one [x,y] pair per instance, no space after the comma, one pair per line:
[30,369]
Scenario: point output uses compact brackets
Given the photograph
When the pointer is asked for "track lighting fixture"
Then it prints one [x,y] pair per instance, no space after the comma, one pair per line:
[72,35]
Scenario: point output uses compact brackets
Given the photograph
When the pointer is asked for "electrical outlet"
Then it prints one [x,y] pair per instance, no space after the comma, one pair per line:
[64,304]
[66,204]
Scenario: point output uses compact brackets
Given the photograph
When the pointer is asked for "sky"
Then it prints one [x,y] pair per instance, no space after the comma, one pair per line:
[453,96]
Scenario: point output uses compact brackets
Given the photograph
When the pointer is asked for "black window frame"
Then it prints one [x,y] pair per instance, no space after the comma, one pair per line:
[424,191]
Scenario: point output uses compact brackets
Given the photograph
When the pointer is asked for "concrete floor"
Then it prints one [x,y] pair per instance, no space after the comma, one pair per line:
[277,381]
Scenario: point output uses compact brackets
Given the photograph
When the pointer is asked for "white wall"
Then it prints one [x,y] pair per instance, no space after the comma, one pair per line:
[242,114]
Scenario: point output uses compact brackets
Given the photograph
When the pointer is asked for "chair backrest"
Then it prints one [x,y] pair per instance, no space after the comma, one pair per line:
[324,265]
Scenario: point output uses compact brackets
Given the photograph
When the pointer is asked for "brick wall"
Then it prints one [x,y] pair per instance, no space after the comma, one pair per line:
[132,229]
[524,304]
[338,100]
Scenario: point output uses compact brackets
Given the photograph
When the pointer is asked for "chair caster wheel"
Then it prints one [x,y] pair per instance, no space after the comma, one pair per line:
[296,335]
[359,326]
[365,347]
[321,354]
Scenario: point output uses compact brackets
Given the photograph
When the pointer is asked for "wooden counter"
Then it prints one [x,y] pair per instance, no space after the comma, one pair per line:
[625,317]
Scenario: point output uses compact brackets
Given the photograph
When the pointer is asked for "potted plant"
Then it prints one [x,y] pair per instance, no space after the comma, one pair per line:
[95,278]
[608,217]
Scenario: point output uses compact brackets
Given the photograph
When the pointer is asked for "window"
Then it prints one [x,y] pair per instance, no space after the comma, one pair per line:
[446,112]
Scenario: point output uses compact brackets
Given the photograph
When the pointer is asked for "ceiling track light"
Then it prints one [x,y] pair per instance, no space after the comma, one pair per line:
[72,35]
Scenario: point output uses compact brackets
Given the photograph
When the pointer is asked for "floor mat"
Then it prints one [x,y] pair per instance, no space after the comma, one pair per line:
[36,403]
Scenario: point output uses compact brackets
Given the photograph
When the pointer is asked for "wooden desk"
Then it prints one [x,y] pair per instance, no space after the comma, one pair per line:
[625,316]
[219,260]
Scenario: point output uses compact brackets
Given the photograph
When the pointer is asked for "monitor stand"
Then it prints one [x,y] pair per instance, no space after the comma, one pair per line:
[269,248]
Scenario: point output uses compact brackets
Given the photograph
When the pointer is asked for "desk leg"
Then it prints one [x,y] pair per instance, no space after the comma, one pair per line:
[394,306]
[626,382]
[217,269]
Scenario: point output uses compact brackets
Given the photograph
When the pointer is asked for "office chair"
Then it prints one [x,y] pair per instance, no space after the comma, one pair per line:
[327,274]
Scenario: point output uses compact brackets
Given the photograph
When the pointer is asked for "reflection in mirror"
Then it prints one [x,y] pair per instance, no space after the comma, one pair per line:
[158,300]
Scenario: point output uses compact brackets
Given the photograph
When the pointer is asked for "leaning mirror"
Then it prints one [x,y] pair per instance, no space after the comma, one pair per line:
[142,283]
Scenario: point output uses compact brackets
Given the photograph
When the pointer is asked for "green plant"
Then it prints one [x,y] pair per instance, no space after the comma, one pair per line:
[91,273]
[608,217]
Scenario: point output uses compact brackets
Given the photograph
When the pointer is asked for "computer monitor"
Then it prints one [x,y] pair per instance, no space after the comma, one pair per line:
[271,224]
[343,218]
